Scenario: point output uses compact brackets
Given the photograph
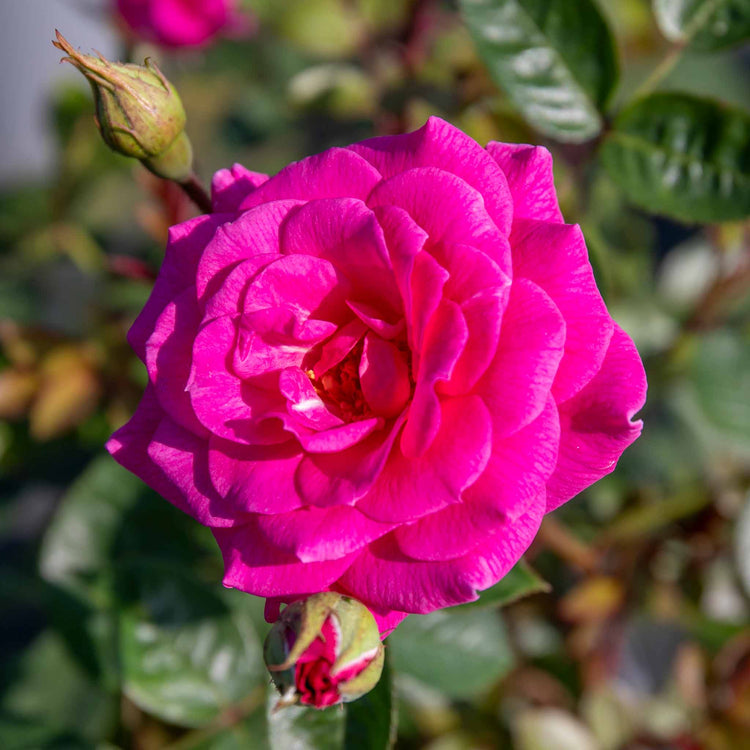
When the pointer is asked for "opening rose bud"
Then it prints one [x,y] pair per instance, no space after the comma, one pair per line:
[324,650]
[138,111]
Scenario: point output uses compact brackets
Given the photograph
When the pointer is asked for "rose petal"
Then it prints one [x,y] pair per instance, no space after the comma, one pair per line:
[554,257]
[168,358]
[444,339]
[129,446]
[318,534]
[255,479]
[229,187]
[530,179]
[374,320]
[252,233]
[257,567]
[336,348]
[518,381]
[228,299]
[184,247]
[221,402]
[519,466]
[336,173]
[596,424]
[514,477]
[447,208]
[439,144]
[327,479]
[408,489]
[382,576]
[482,316]
[346,233]
[384,376]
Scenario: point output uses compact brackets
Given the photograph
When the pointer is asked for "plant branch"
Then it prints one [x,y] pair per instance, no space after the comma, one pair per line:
[195,190]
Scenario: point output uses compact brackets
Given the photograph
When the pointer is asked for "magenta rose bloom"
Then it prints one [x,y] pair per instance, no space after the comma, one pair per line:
[376,371]
[183,23]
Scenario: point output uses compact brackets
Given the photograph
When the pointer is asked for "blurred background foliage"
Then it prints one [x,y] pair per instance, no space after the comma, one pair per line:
[631,629]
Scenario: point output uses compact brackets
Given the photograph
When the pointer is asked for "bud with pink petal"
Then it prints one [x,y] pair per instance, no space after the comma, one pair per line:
[324,650]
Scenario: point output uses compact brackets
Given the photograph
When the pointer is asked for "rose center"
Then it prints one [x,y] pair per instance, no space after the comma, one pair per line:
[340,389]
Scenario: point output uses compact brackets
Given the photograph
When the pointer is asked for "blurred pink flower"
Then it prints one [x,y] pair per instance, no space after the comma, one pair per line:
[183,23]
[376,371]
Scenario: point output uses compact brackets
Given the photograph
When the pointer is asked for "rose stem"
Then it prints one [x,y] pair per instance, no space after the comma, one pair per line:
[197,193]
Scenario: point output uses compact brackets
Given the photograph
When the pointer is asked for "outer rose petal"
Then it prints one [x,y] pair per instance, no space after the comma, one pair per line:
[254,566]
[130,445]
[554,257]
[439,144]
[596,424]
[382,576]
[514,477]
[229,187]
[336,173]
[169,358]
[530,179]
[185,245]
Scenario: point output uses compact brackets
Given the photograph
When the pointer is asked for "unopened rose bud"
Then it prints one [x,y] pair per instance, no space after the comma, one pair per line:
[138,111]
[324,650]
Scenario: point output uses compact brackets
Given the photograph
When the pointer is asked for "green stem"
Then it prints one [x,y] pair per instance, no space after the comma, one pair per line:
[660,72]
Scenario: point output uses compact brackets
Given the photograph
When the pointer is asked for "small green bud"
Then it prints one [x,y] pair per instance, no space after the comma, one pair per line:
[324,650]
[138,111]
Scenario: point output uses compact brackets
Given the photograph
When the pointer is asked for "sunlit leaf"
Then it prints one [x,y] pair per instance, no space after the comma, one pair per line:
[720,377]
[704,24]
[458,653]
[185,656]
[304,728]
[682,156]
[555,59]
[78,544]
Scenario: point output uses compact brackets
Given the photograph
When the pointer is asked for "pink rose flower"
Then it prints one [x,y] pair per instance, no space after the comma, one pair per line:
[376,371]
[183,23]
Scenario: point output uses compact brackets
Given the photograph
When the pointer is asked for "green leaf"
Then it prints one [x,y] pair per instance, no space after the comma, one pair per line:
[78,543]
[185,657]
[50,690]
[555,59]
[304,728]
[520,581]
[371,720]
[109,515]
[705,25]
[460,654]
[682,156]
[720,378]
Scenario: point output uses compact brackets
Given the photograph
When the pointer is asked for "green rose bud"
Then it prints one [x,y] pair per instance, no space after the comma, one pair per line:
[138,111]
[324,650]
